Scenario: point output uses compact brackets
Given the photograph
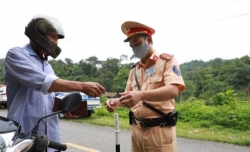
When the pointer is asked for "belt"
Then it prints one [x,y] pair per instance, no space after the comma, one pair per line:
[143,123]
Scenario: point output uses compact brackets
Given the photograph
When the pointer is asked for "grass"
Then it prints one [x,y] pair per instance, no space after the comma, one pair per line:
[184,130]
[244,103]
[217,134]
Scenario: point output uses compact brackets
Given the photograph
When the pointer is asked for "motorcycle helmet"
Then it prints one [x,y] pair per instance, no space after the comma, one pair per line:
[37,29]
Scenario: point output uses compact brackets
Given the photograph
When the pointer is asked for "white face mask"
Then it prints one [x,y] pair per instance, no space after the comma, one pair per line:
[141,51]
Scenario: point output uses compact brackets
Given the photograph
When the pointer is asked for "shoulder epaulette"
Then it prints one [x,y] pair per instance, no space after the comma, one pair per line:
[166,56]
[134,65]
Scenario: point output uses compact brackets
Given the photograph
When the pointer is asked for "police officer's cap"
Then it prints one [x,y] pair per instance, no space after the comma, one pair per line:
[131,28]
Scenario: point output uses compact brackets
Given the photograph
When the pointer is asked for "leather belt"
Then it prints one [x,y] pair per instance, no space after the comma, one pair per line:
[143,123]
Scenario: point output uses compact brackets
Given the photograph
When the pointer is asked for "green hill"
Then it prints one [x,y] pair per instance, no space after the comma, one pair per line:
[202,79]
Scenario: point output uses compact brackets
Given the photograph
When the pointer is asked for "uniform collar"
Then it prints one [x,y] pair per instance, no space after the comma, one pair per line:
[154,57]
[152,60]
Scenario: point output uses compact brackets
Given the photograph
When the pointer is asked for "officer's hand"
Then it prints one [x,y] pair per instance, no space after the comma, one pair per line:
[111,104]
[130,99]
[93,89]
[69,115]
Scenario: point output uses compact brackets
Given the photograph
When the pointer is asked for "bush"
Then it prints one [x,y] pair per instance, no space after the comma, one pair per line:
[193,110]
[196,112]
[224,98]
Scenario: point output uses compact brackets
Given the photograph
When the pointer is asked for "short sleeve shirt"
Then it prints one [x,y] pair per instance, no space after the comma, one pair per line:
[164,71]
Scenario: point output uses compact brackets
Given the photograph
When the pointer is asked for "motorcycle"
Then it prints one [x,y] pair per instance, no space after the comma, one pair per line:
[12,139]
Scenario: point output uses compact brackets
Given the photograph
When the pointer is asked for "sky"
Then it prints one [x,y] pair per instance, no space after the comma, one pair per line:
[188,29]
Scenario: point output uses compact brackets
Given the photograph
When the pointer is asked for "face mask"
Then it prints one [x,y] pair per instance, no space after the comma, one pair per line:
[141,51]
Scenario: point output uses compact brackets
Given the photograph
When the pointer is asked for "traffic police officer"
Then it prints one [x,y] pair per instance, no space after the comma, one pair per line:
[153,84]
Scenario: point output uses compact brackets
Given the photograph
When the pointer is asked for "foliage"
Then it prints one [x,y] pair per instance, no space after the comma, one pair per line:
[196,112]
[205,79]
[1,70]
[224,98]
[202,79]
[220,114]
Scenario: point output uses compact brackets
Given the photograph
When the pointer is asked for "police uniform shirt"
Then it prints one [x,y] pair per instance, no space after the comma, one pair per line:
[164,71]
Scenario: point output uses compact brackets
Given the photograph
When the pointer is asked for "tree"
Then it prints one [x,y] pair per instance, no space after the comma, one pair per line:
[120,80]
[123,57]
[1,70]
[93,60]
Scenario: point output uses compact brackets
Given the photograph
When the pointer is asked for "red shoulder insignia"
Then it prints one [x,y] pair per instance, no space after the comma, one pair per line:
[155,58]
[166,56]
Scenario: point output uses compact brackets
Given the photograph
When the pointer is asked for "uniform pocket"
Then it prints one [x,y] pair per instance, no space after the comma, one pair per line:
[155,82]
[159,137]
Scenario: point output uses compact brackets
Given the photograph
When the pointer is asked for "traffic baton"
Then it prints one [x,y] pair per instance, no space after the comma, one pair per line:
[117,130]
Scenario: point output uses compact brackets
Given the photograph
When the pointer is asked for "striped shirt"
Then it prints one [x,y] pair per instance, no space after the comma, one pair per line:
[27,82]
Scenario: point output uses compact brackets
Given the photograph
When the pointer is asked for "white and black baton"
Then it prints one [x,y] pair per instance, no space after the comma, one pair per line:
[117,130]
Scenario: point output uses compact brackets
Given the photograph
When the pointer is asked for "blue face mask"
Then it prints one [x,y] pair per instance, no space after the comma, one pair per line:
[141,51]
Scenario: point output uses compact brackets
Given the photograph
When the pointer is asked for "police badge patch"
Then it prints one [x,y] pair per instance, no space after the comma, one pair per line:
[150,71]
[176,70]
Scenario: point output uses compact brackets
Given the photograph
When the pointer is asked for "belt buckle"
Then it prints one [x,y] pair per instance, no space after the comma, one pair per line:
[164,124]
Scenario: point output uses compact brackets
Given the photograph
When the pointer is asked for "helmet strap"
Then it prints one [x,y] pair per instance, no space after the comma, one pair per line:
[41,56]
[45,57]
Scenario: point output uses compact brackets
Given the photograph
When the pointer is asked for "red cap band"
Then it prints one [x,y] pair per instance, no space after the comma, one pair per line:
[138,30]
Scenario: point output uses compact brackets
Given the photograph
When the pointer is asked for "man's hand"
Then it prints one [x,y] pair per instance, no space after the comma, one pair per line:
[93,89]
[111,104]
[69,115]
[130,99]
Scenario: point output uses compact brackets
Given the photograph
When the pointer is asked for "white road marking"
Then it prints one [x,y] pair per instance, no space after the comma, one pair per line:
[81,147]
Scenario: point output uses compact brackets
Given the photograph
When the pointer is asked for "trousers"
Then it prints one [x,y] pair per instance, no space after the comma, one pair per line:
[153,139]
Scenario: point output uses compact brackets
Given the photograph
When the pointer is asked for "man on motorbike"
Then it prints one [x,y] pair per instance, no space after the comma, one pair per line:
[31,81]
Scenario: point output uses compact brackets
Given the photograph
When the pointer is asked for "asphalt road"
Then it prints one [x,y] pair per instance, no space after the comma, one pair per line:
[90,138]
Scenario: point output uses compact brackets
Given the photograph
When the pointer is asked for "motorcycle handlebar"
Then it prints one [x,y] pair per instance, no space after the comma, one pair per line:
[56,145]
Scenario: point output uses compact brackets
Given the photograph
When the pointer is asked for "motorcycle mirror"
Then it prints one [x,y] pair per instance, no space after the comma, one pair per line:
[70,102]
